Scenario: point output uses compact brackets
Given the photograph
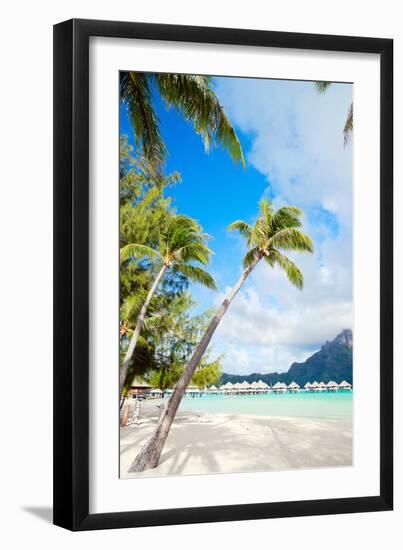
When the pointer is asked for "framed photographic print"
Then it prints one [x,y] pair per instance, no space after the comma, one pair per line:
[223,321]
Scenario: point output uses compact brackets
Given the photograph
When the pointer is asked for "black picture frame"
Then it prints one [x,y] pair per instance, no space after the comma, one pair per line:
[71,274]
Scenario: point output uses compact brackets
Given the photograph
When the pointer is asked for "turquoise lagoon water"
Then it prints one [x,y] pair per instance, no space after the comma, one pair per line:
[309,405]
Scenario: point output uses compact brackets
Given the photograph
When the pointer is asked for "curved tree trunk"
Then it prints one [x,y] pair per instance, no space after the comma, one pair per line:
[150,454]
[139,325]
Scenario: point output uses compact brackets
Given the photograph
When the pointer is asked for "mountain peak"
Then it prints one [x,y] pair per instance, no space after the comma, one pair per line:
[345,337]
[334,361]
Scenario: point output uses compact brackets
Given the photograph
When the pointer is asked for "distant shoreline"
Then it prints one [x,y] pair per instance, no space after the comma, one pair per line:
[207,443]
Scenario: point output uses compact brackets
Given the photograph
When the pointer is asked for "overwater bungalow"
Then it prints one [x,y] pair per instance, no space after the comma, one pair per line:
[308,386]
[245,387]
[263,387]
[294,387]
[321,386]
[345,386]
[280,387]
[227,388]
[193,391]
[332,385]
[315,386]
[213,389]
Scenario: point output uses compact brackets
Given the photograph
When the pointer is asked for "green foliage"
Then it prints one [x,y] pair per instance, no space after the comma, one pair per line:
[165,377]
[207,374]
[273,230]
[322,86]
[152,233]
[192,95]
[176,336]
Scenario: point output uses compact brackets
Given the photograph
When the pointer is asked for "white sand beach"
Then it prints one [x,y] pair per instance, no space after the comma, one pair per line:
[202,443]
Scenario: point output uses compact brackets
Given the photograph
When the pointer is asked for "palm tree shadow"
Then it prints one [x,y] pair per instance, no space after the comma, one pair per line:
[45,513]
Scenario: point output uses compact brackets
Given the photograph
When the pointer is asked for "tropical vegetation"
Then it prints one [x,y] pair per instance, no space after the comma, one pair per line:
[192,95]
[273,233]
[163,252]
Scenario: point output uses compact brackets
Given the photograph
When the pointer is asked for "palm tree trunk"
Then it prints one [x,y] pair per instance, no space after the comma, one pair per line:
[139,325]
[150,454]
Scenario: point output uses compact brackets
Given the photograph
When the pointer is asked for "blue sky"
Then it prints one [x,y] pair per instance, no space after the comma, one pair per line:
[293,143]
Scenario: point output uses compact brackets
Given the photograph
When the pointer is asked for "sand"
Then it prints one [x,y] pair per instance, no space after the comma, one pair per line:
[201,443]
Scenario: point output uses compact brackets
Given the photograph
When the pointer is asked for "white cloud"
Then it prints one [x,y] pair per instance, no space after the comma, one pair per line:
[297,138]
[297,144]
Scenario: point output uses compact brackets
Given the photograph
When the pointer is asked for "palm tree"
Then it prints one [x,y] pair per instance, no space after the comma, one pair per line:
[322,87]
[182,244]
[272,231]
[192,95]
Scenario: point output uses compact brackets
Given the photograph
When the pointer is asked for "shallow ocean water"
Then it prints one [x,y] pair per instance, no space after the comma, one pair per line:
[309,405]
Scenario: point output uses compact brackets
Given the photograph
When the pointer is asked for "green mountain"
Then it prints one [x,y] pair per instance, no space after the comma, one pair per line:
[334,361]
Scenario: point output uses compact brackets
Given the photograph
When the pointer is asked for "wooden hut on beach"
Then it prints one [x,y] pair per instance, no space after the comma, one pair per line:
[139,388]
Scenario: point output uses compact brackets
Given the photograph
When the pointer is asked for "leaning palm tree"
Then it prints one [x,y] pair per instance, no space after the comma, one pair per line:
[192,95]
[322,87]
[182,244]
[273,231]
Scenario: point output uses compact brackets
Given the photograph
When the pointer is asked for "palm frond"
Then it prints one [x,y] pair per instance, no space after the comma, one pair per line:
[194,97]
[136,94]
[291,238]
[193,251]
[134,250]
[322,86]
[244,228]
[251,256]
[266,209]
[132,305]
[196,275]
[348,127]
[227,137]
[293,273]
[286,216]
